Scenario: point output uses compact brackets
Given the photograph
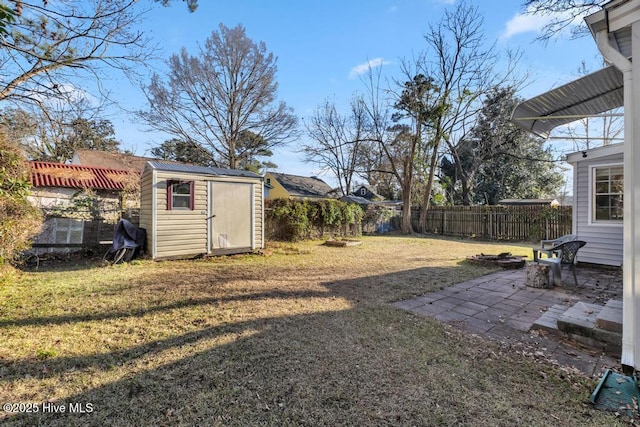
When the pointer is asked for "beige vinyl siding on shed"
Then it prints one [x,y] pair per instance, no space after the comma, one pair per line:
[146,206]
[180,232]
[258,216]
[604,241]
[184,233]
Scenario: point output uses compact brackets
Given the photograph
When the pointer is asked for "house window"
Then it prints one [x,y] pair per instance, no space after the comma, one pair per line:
[68,230]
[608,193]
[180,195]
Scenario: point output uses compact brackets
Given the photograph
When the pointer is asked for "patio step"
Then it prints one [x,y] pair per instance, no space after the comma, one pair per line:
[593,325]
[610,317]
[549,319]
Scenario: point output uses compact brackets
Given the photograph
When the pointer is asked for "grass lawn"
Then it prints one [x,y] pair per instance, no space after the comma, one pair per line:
[302,335]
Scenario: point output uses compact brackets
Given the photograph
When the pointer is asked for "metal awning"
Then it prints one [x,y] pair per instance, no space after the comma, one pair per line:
[590,95]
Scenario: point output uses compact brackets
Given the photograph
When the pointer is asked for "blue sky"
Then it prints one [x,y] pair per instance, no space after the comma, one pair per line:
[321,47]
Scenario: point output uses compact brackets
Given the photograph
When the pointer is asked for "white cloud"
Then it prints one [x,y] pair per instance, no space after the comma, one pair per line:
[524,24]
[528,23]
[366,66]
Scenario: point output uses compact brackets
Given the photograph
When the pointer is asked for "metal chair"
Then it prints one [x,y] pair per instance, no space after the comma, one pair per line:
[566,256]
[546,246]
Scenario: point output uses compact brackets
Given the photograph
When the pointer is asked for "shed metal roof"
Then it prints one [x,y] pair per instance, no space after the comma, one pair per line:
[590,95]
[50,174]
[200,170]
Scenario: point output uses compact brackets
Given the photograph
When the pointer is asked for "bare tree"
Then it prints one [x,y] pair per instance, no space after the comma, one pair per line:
[395,142]
[396,122]
[463,66]
[55,129]
[50,45]
[214,99]
[418,105]
[563,15]
[337,140]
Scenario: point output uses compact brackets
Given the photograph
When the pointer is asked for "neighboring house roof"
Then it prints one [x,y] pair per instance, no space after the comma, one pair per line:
[168,166]
[389,203]
[372,194]
[49,174]
[302,186]
[114,160]
[356,199]
[109,159]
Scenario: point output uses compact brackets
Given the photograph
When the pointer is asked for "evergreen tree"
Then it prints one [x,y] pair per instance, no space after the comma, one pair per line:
[498,160]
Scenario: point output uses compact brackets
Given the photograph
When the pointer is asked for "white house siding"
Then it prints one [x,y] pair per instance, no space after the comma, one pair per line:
[180,232]
[604,242]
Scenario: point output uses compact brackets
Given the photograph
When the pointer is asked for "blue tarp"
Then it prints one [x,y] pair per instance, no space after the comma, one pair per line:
[129,236]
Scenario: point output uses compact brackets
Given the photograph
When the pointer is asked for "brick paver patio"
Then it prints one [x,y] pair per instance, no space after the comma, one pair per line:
[501,307]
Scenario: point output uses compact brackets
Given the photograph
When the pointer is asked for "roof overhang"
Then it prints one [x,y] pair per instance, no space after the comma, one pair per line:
[596,153]
[588,96]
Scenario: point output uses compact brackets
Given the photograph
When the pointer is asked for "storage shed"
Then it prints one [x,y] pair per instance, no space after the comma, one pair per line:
[194,210]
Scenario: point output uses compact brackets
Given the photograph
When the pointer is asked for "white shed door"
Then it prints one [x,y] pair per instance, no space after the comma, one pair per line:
[231,215]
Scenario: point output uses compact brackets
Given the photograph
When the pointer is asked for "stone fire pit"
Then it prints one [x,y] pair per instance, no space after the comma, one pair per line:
[504,260]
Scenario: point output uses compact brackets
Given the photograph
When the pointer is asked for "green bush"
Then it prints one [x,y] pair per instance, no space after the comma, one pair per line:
[19,219]
[297,220]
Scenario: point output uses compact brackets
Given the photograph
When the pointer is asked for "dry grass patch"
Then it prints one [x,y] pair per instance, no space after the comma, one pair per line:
[303,335]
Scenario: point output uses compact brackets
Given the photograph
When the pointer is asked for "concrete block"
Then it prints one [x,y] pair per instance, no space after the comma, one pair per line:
[610,317]
[549,319]
[579,319]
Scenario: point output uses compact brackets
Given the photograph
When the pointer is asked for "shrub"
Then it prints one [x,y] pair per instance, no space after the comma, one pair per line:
[19,219]
[294,220]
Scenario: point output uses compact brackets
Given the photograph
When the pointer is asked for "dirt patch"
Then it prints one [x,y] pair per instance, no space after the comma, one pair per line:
[343,243]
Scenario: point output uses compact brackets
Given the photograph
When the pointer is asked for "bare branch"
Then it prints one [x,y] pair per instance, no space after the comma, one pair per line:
[52,44]
[221,96]
[562,15]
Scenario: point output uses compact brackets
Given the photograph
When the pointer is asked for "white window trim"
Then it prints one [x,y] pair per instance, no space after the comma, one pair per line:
[68,226]
[591,196]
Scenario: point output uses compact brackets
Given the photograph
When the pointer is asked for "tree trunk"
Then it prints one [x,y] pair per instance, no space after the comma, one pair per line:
[406,227]
[427,192]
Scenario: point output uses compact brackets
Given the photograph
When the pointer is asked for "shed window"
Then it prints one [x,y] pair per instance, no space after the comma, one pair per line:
[608,191]
[180,195]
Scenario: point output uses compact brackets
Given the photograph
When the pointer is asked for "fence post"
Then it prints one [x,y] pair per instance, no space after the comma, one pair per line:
[546,229]
[491,225]
[444,222]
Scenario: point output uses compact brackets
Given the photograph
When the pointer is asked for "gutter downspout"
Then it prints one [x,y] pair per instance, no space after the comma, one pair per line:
[630,305]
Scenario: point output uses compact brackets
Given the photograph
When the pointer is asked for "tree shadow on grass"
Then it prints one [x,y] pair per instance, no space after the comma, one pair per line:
[141,312]
[368,364]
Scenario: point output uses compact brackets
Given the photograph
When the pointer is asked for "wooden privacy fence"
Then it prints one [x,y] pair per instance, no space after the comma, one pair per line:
[517,223]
